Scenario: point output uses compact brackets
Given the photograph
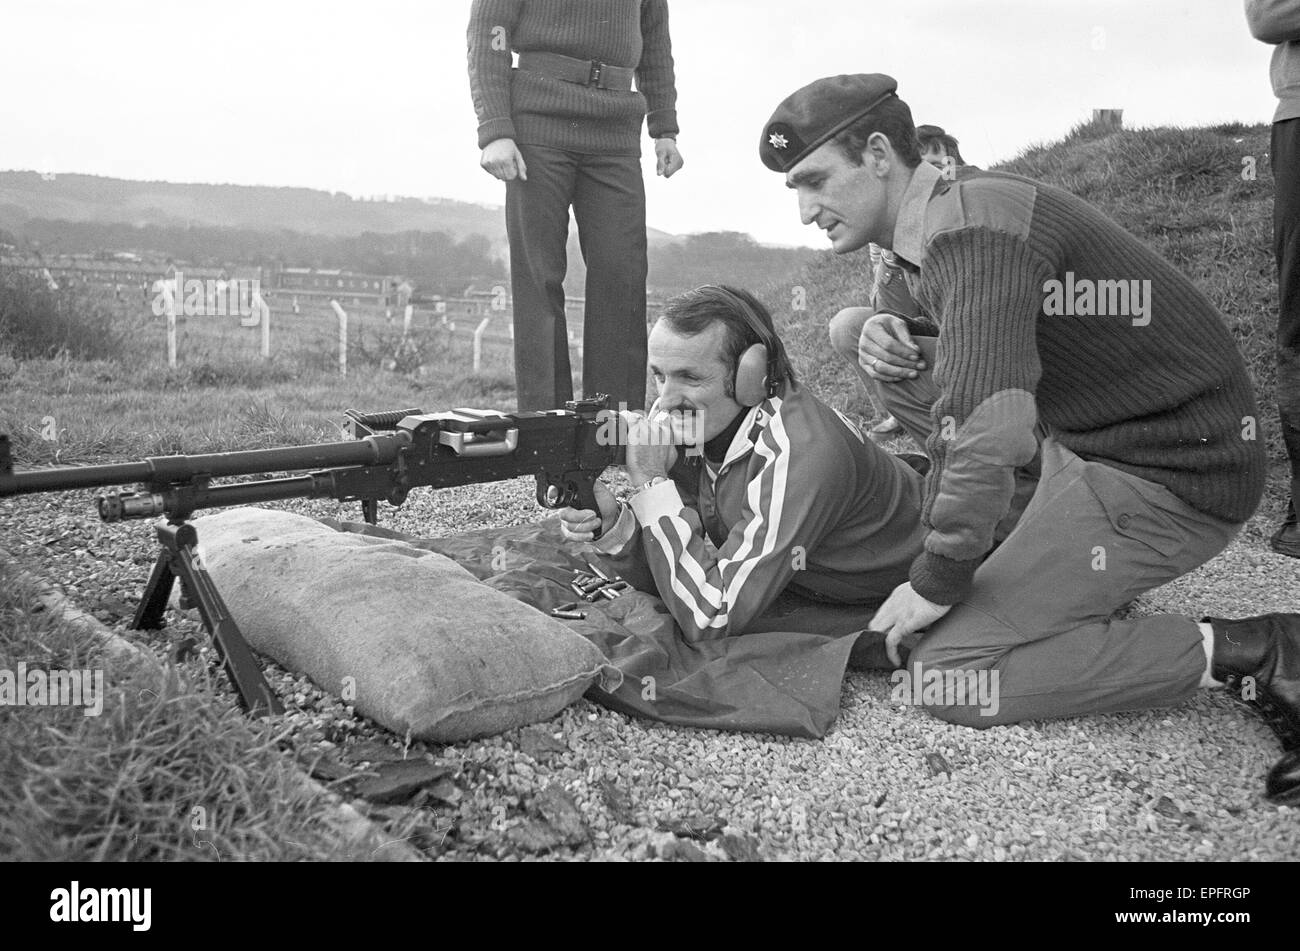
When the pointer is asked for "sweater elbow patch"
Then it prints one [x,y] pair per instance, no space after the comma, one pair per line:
[971,500]
[1000,432]
[977,481]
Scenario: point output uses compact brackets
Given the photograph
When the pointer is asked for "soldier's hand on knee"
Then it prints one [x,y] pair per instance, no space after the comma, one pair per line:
[904,612]
[886,351]
[579,525]
[502,159]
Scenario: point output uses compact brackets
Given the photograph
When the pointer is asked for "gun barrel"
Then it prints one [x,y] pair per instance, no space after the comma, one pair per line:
[373,450]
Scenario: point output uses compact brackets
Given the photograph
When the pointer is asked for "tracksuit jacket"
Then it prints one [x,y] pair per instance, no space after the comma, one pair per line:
[800,500]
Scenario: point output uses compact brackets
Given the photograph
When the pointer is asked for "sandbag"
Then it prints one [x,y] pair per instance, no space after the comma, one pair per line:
[429,649]
[782,677]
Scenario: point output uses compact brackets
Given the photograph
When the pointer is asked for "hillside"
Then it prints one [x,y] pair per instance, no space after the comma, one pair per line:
[26,195]
[69,197]
[301,226]
[1180,190]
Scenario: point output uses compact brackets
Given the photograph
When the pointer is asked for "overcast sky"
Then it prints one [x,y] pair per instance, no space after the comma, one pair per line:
[373,97]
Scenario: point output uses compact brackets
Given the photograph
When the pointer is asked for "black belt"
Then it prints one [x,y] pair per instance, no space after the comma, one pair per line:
[584,72]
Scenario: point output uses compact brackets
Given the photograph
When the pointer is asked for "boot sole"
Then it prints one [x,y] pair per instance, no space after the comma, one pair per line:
[1285,729]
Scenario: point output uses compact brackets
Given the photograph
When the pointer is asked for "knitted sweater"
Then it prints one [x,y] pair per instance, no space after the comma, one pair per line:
[1278,22]
[1050,310]
[538,110]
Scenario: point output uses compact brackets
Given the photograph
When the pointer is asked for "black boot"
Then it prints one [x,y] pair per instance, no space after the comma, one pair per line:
[1266,649]
[1286,540]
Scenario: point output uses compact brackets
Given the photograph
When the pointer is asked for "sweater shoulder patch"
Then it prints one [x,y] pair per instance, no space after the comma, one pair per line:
[994,203]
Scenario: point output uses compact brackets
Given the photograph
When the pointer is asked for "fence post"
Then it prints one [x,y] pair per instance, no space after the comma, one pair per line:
[406,321]
[478,343]
[1110,118]
[343,337]
[266,331]
[171,326]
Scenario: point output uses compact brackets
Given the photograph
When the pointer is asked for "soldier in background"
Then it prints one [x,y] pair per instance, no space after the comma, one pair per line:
[889,292]
[939,148]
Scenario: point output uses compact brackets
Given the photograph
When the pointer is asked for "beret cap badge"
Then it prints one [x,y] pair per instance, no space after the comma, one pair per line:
[815,114]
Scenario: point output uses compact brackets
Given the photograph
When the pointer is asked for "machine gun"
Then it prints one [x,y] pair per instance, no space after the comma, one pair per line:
[390,454]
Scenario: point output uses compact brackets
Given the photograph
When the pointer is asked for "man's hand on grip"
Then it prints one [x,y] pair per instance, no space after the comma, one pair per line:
[579,525]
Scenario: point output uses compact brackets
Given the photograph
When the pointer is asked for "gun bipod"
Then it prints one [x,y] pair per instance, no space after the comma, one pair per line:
[179,558]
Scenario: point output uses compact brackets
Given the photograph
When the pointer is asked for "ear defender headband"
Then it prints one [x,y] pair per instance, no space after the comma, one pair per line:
[755,376]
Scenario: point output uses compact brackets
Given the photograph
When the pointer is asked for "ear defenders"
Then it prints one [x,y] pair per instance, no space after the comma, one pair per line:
[755,379]
[752,375]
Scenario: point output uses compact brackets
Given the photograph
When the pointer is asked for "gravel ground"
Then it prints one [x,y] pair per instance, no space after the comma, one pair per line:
[889,782]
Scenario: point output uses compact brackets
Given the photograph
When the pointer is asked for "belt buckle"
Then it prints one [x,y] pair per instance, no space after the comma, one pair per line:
[593,77]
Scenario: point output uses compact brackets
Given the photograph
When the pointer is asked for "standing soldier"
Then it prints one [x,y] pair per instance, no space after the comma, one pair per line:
[1278,22]
[561,129]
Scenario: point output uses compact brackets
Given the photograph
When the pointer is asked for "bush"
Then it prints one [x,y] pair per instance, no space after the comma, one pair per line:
[37,322]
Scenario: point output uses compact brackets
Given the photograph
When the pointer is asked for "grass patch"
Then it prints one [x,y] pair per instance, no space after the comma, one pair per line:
[65,412]
[37,321]
[159,775]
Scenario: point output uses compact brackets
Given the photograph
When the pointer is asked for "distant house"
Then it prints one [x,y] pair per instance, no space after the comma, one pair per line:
[71,270]
[476,303]
[347,287]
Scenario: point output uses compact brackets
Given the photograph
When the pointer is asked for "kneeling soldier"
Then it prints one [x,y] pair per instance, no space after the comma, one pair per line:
[1151,461]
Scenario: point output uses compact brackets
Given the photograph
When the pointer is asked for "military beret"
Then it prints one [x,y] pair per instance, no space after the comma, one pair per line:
[813,115]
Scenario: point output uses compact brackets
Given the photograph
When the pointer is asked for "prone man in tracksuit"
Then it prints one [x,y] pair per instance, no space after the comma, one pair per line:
[782,492]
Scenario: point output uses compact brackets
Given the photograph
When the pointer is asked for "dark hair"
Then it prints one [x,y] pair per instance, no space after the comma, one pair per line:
[697,310]
[928,135]
[892,119]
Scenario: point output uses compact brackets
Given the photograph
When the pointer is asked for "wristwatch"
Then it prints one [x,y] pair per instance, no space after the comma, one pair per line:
[623,496]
